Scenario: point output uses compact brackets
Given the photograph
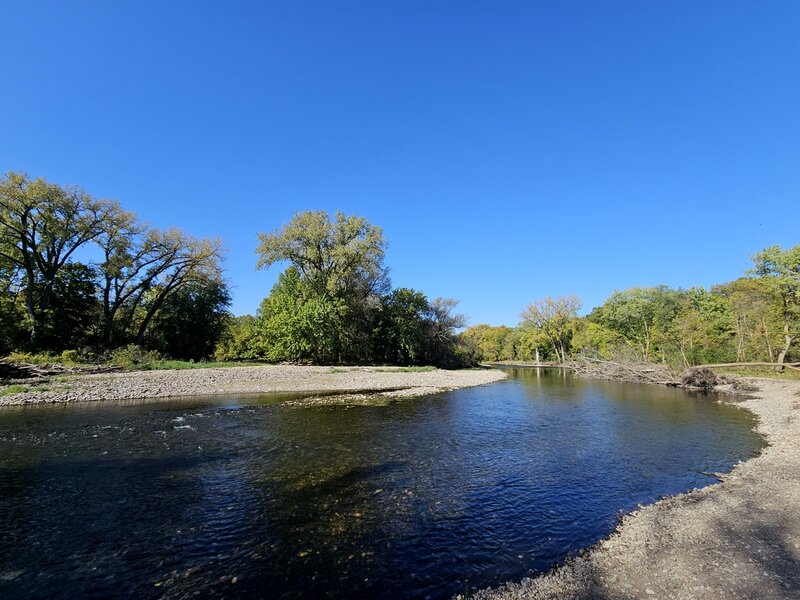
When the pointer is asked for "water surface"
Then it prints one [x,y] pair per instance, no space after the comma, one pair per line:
[246,498]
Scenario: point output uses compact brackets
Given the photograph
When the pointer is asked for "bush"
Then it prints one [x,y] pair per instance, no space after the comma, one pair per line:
[70,357]
[42,358]
[134,357]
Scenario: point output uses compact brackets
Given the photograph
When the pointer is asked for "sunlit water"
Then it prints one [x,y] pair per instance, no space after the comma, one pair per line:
[246,498]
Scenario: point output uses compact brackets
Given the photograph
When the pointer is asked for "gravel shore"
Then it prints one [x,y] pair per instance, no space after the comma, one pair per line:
[386,381]
[737,539]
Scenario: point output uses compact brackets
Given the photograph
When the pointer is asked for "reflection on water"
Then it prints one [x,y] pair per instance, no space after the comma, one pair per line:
[422,498]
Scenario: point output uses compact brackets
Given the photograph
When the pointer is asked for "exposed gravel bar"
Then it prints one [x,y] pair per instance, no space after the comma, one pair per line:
[249,380]
[736,539]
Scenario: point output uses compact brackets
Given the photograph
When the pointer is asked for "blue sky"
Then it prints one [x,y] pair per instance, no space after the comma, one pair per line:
[510,150]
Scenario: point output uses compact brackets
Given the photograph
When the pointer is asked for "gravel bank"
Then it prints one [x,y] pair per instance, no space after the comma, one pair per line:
[249,380]
[736,539]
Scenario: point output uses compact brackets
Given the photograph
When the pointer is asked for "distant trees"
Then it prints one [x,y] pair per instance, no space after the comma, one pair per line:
[553,317]
[60,303]
[754,318]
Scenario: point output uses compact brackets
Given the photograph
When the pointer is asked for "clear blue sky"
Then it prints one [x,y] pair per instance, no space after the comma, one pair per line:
[510,150]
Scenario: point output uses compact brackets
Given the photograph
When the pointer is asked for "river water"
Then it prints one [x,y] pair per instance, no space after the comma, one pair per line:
[424,498]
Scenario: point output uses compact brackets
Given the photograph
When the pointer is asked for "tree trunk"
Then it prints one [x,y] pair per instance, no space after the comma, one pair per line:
[30,308]
[786,345]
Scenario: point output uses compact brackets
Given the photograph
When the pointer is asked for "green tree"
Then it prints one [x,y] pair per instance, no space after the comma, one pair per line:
[238,340]
[757,315]
[490,342]
[142,268]
[192,320]
[780,270]
[297,325]
[341,257]
[642,316]
[72,318]
[399,336]
[553,317]
[442,325]
[41,227]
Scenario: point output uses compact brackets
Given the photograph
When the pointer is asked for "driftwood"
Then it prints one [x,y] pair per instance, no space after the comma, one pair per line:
[594,368]
[10,370]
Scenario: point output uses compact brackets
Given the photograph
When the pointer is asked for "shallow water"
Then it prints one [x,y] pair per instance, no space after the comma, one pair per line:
[422,498]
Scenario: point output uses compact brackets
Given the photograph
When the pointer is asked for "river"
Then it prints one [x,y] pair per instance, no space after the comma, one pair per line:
[423,498]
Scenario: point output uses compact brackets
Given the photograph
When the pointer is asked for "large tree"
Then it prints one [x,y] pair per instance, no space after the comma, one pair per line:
[143,267]
[342,257]
[42,225]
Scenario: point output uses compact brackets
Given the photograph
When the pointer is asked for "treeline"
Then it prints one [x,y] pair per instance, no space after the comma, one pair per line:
[334,303]
[753,319]
[157,289]
[82,275]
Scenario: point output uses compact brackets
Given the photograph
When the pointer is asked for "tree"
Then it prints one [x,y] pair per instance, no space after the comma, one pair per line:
[340,265]
[553,316]
[642,316]
[780,270]
[703,328]
[192,320]
[757,315]
[71,320]
[238,339]
[143,267]
[41,227]
[490,343]
[399,336]
[441,332]
[295,324]
[342,258]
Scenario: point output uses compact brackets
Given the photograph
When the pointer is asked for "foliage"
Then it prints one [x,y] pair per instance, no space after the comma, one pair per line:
[191,320]
[339,258]
[553,317]
[41,227]
[400,331]
[780,270]
[49,301]
[134,357]
[239,340]
[70,357]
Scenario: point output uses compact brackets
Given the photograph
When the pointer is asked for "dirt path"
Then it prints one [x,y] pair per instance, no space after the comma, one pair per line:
[737,539]
[249,380]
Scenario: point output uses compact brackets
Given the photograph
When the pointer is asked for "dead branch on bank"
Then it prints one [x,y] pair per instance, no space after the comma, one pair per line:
[22,371]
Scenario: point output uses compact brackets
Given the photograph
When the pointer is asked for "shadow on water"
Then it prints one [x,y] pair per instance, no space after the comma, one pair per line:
[422,498]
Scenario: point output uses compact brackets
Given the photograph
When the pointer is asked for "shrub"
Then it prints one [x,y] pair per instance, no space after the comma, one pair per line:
[70,357]
[134,357]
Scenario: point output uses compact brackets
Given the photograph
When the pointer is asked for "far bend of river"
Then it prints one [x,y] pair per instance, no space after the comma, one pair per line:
[430,497]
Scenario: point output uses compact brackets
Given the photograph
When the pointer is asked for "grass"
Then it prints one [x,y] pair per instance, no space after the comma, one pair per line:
[770,373]
[177,365]
[10,390]
[406,370]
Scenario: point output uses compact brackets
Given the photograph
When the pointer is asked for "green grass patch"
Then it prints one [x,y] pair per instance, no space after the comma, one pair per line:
[177,365]
[424,369]
[10,390]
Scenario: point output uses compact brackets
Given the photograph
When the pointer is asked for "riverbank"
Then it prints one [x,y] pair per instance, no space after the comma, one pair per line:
[387,381]
[737,539]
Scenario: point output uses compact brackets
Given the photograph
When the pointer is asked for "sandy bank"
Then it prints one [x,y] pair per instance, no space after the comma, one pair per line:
[249,380]
[736,539]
